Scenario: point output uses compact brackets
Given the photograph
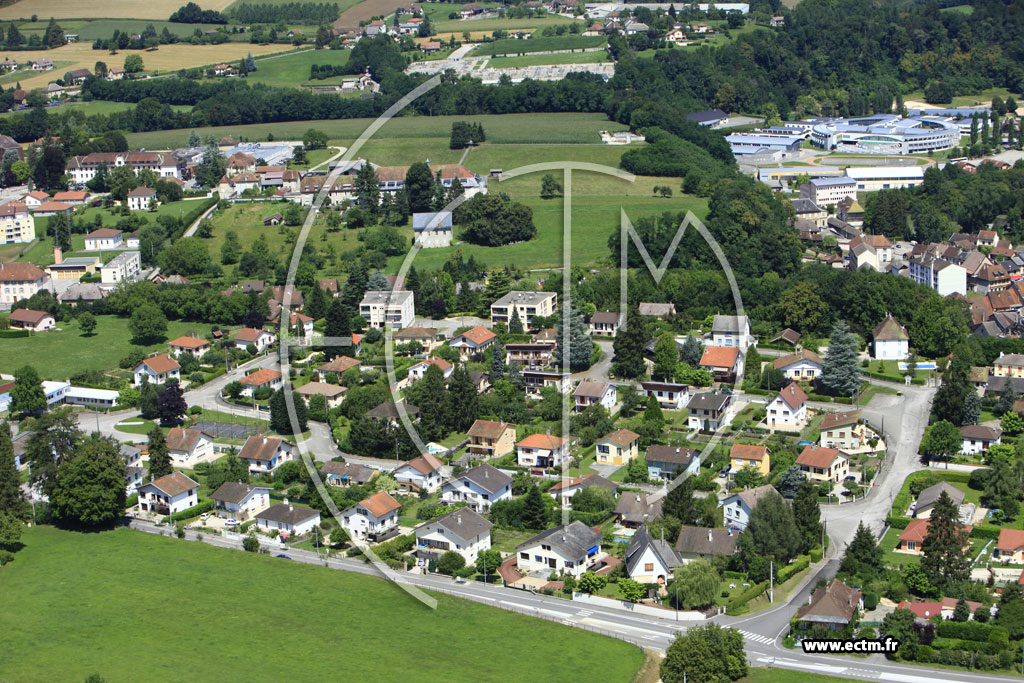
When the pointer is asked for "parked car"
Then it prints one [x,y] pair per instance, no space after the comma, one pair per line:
[850,478]
[232,522]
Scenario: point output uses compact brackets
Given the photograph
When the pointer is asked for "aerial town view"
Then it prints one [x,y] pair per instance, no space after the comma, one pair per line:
[512,340]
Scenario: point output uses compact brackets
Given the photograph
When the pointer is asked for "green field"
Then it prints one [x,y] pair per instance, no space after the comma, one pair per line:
[959,9]
[477,25]
[97,107]
[543,60]
[213,603]
[500,128]
[59,354]
[292,70]
[983,97]
[514,46]
[761,674]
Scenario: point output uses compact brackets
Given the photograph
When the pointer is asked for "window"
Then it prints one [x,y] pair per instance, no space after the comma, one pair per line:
[524,556]
[649,567]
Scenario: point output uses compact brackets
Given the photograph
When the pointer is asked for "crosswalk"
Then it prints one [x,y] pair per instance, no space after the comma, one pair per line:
[584,613]
[764,640]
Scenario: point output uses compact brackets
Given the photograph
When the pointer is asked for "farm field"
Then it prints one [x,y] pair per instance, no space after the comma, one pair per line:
[293,70]
[213,610]
[539,44]
[166,58]
[122,9]
[60,354]
[353,11]
[98,107]
[486,26]
[544,60]
[500,128]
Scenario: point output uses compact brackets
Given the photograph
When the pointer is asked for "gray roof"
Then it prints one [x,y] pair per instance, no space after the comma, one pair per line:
[662,549]
[523,298]
[233,491]
[572,541]
[389,410]
[463,522]
[442,220]
[385,297]
[704,541]
[805,206]
[672,454]
[86,291]
[751,496]
[729,323]
[635,508]
[487,477]
[360,474]
[710,115]
[930,495]
[287,514]
[708,400]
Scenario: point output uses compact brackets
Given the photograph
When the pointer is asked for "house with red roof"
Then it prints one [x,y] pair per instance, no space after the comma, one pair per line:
[422,473]
[473,342]
[542,450]
[1010,546]
[747,455]
[823,464]
[191,345]
[788,410]
[157,369]
[261,339]
[264,378]
[27,319]
[373,518]
[417,371]
[721,361]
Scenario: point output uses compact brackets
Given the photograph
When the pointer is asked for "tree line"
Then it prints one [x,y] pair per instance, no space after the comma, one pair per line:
[297,12]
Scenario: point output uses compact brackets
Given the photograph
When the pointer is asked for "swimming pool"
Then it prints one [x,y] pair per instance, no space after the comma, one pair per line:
[920,365]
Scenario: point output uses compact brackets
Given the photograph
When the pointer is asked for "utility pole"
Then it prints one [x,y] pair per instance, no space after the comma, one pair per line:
[771,579]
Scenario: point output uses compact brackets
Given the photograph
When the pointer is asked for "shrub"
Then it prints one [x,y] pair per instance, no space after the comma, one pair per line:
[870,601]
[6,557]
[979,479]
[966,630]
[250,544]
[191,512]
[924,654]
[816,554]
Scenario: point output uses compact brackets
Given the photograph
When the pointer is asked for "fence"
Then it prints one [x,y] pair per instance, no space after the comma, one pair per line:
[660,612]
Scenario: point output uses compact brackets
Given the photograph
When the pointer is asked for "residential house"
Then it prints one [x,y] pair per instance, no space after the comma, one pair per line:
[261,339]
[104,238]
[736,508]
[332,393]
[891,341]
[289,520]
[488,438]
[708,410]
[338,365]
[472,342]
[978,438]
[542,450]
[479,487]
[635,509]
[823,464]
[1009,365]
[192,346]
[526,305]
[659,311]
[650,560]
[595,393]
[1010,546]
[605,323]
[424,336]
[832,607]
[264,378]
[157,369]
[564,489]
[236,500]
[701,543]
[911,541]
[391,412]
[16,224]
[945,277]
[870,251]
[124,267]
[141,199]
[373,518]
[20,280]
[572,549]
[788,410]
[301,325]
[418,370]
[462,531]
[34,199]
[265,454]
[842,431]
[168,494]
[721,361]
[747,455]
[665,463]
[432,230]
[27,319]
[800,366]
[394,309]
[538,379]
[669,396]
[730,330]
[618,447]
[481,381]
[345,474]
[927,499]
[422,473]
[530,356]
[189,446]
[134,471]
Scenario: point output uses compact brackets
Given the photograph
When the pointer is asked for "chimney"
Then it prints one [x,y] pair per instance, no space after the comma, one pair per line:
[290,508]
[709,535]
[58,256]
[286,501]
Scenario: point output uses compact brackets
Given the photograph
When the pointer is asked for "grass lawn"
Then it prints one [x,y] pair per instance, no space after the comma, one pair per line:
[59,354]
[542,60]
[513,46]
[213,610]
[293,70]
[762,674]
[485,26]
[983,97]
[135,425]
[506,540]
[314,158]
[500,128]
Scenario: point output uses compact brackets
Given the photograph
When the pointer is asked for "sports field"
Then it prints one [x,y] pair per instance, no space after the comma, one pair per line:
[500,128]
[121,9]
[130,606]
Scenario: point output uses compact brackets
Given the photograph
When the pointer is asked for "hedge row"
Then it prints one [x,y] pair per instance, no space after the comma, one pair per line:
[787,572]
[191,512]
[190,217]
[987,532]
[738,605]
[967,630]
[891,378]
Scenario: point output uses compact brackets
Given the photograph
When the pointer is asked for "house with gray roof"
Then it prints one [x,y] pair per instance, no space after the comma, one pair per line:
[462,531]
[290,520]
[650,560]
[573,549]
[832,607]
[927,499]
[478,487]
[736,508]
[239,500]
[696,543]
[635,509]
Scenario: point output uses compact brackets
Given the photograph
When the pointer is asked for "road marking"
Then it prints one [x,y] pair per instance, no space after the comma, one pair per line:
[820,668]
[906,678]
[757,638]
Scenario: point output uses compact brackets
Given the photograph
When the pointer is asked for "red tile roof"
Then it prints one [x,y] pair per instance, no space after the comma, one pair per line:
[260,377]
[478,335]
[720,357]
[161,363]
[793,395]
[188,343]
[818,456]
[742,451]
[546,442]
[380,504]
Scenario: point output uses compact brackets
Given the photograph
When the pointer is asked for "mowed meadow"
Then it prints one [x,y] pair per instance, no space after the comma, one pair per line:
[119,9]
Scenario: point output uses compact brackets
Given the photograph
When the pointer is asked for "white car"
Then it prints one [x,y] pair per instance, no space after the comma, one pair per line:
[204,516]
[232,522]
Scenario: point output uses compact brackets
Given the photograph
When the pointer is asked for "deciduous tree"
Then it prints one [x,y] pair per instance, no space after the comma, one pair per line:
[159,454]
[705,654]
